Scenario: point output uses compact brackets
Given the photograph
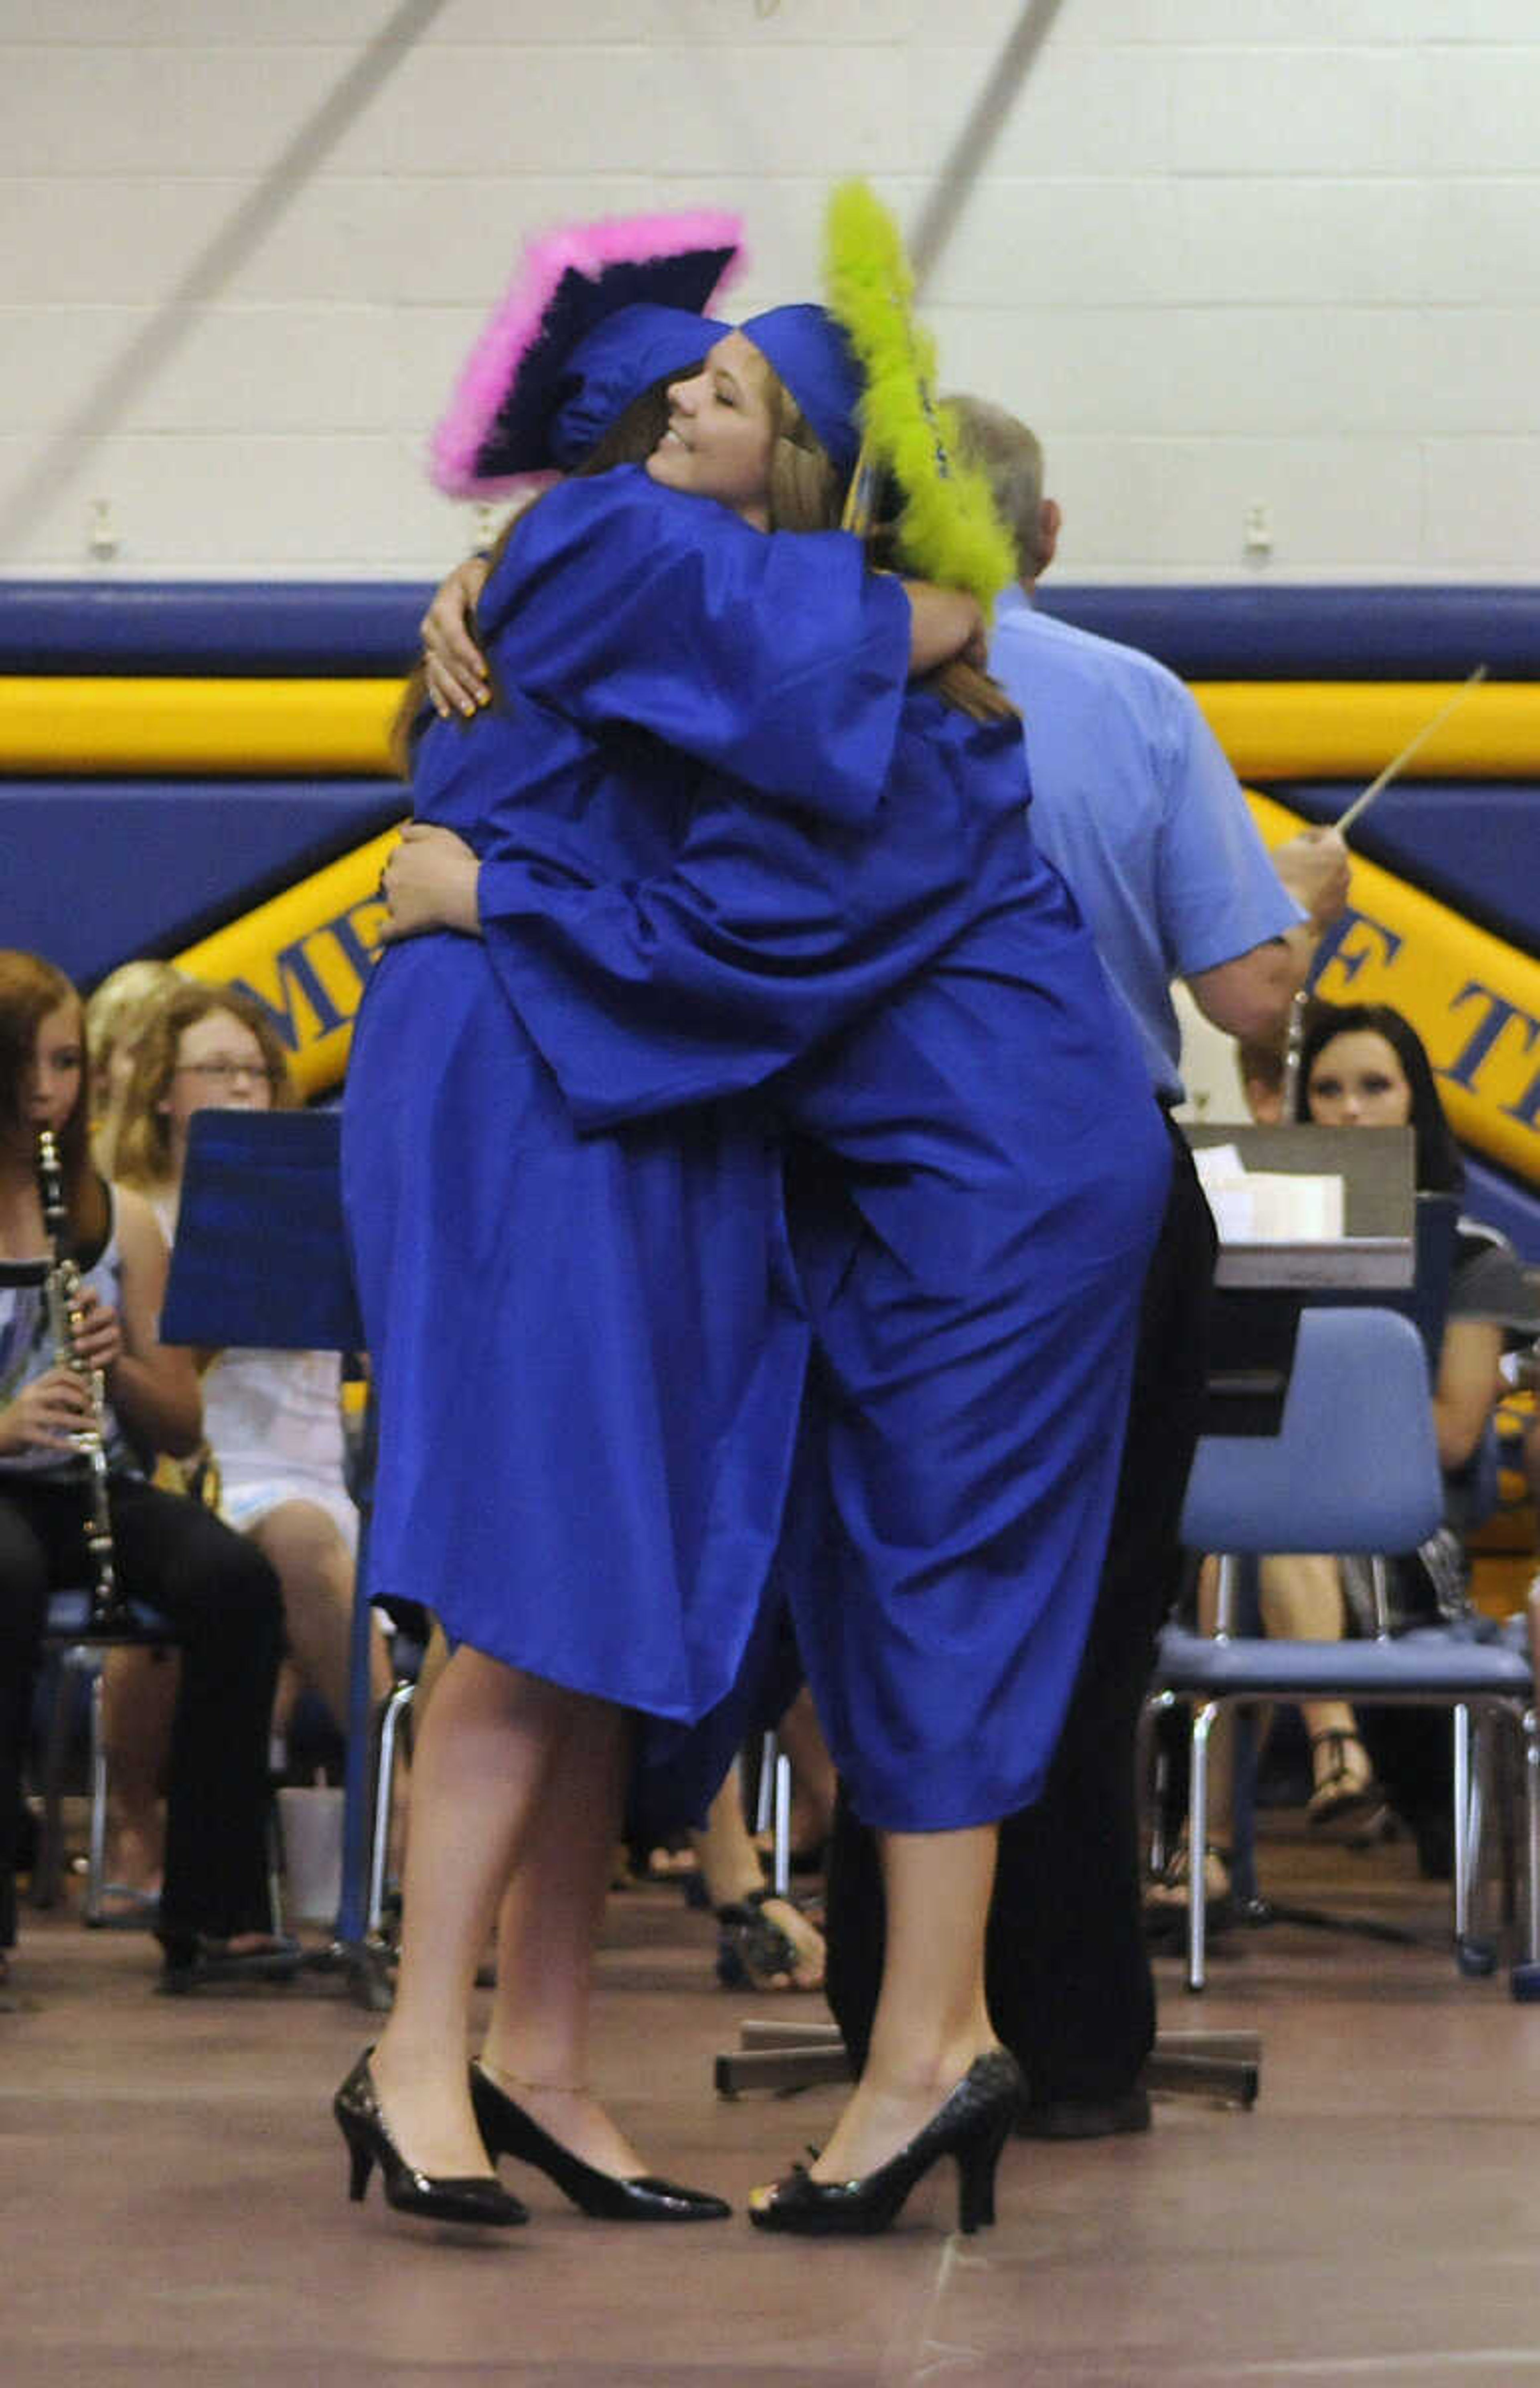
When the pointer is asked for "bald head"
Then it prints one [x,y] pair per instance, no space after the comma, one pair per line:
[1010,457]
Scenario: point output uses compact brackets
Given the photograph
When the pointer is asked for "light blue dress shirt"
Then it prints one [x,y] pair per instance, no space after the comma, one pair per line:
[1133,801]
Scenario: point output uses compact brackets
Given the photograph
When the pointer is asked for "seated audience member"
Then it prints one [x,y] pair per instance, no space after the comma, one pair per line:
[273,1420]
[1363,1065]
[143,1680]
[113,1014]
[216,1588]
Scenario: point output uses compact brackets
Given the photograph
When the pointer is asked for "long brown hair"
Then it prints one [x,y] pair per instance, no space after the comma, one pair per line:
[142,1147]
[629,440]
[31,989]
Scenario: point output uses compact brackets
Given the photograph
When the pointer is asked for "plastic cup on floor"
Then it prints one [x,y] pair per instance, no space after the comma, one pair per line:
[310,1821]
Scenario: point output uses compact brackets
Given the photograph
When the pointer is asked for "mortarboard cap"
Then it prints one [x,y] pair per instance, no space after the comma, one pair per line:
[614,363]
[516,384]
[812,357]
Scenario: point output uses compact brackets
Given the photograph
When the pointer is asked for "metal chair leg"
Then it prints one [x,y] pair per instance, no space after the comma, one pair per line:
[1197,1843]
[392,1716]
[95,1870]
[764,1783]
[1154,1768]
[1526,1973]
[48,1869]
[772,1809]
[1461,1720]
[1529,1727]
[1475,1949]
[780,1858]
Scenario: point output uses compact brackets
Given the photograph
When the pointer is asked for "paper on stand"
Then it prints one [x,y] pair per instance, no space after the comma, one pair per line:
[1267,1206]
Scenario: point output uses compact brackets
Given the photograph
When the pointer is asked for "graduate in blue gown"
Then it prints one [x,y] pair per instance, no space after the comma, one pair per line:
[589,1347]
[982,1172]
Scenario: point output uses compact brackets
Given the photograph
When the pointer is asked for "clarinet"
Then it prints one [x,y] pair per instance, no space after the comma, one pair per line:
[109,1608]
[1293,1053]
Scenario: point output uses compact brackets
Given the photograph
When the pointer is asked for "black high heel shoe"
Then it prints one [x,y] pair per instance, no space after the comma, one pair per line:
[973,2125]
[509,2130]
[480,2198]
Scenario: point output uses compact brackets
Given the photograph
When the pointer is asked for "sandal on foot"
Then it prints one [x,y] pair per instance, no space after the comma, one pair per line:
[1166,1898]
[754,1952]
[1346,1802]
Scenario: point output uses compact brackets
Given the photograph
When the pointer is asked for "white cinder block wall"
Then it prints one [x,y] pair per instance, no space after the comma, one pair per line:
[1226,254]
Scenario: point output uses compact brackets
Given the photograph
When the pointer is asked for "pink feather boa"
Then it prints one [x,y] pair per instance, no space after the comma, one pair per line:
[516,322]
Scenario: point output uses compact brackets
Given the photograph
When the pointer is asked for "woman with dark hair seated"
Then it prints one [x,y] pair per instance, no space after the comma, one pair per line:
[1363,1065]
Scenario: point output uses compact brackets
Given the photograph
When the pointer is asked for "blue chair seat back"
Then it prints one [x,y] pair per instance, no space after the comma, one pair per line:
[1353,1465]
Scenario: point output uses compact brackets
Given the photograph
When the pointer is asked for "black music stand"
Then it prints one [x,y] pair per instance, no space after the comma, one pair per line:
[261,1261]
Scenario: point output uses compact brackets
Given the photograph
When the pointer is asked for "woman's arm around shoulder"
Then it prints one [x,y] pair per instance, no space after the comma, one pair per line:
[1467,1387]
[777,657]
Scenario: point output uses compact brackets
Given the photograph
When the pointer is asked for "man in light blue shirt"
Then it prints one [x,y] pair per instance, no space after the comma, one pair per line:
[1133,801]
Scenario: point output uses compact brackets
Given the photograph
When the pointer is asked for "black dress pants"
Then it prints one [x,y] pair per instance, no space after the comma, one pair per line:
[222,1598]
[1067,1974]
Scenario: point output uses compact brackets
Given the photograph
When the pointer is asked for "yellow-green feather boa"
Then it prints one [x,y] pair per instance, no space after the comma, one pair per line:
[948,529]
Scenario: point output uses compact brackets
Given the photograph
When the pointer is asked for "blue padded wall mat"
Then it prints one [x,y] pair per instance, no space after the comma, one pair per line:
[1288,632]
[1279,632]
[95,872]
[253,629]
[1475,844]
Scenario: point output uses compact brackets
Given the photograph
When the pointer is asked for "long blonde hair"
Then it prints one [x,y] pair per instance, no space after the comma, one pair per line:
[141,1154]
[807,492]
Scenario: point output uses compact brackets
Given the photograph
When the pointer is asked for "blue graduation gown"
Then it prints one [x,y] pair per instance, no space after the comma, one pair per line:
[978,1180]
[590,1347]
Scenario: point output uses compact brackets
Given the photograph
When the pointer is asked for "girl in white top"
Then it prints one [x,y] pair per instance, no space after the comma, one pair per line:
[273,1420]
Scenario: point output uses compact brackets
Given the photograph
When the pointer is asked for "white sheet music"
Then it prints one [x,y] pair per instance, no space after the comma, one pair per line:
[1267,1206]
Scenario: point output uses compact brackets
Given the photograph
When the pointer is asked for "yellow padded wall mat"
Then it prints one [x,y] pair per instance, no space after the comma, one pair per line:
[1474,1000]
[248,729]
[1349,729]
[239,728]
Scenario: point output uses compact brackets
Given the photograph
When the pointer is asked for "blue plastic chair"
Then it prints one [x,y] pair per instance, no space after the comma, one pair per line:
[1354,1468]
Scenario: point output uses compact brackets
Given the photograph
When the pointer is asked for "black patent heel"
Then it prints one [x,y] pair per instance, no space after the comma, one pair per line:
[976,2170]
[361,2119]
[508,2129]
[361,2158]
[972,2125]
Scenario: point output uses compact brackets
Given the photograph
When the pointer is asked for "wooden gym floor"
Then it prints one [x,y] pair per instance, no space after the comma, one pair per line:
[171,2193]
